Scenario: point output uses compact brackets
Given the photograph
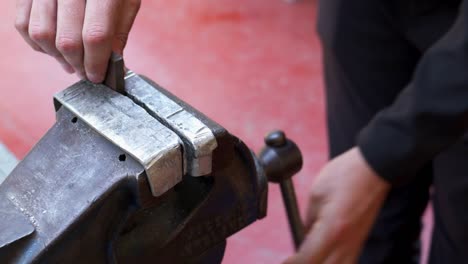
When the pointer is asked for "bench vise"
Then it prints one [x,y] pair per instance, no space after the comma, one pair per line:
[136,177]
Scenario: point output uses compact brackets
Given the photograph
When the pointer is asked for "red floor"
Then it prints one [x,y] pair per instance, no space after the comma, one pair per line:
[252,66]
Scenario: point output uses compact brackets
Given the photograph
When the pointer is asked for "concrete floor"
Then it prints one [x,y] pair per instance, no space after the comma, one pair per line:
[7,162]
[252,66]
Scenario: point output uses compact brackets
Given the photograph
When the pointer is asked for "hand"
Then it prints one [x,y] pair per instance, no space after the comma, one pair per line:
[79,34]
[344,201]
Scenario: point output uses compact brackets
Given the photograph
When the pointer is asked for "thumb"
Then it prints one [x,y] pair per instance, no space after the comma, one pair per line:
[317,245]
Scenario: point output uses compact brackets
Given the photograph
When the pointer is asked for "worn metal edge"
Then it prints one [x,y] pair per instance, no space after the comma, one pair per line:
[198,139]
[14,225]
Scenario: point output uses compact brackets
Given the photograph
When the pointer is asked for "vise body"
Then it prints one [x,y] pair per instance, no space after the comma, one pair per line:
[138,177]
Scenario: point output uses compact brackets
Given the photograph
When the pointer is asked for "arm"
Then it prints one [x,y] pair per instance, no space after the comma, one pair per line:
[429,115]
[79,34]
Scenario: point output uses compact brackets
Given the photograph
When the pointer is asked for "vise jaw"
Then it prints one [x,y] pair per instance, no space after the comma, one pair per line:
[135,178]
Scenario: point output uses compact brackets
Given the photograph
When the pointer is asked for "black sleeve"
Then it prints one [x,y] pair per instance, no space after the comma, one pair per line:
[430,114]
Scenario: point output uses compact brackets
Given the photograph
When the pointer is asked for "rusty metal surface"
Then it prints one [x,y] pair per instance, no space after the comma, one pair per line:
[197,136]
[131,128]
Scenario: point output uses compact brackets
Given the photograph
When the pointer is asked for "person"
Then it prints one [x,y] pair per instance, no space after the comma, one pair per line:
[397,112]
[397,106]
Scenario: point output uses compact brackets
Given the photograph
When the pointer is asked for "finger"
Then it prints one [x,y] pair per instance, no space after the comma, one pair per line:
[69,41]
[98,33]
[342,256]
[345,253]
[312,211]
[23,13]
[42,29]
[317,245]
[129,12]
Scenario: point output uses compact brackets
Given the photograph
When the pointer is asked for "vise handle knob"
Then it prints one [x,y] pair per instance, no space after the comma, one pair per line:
[281,159]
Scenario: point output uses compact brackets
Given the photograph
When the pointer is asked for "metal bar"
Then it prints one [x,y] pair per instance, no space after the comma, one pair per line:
[290,202]
[116,74]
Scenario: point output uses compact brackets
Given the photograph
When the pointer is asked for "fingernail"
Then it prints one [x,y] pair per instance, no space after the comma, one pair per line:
[95,78]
